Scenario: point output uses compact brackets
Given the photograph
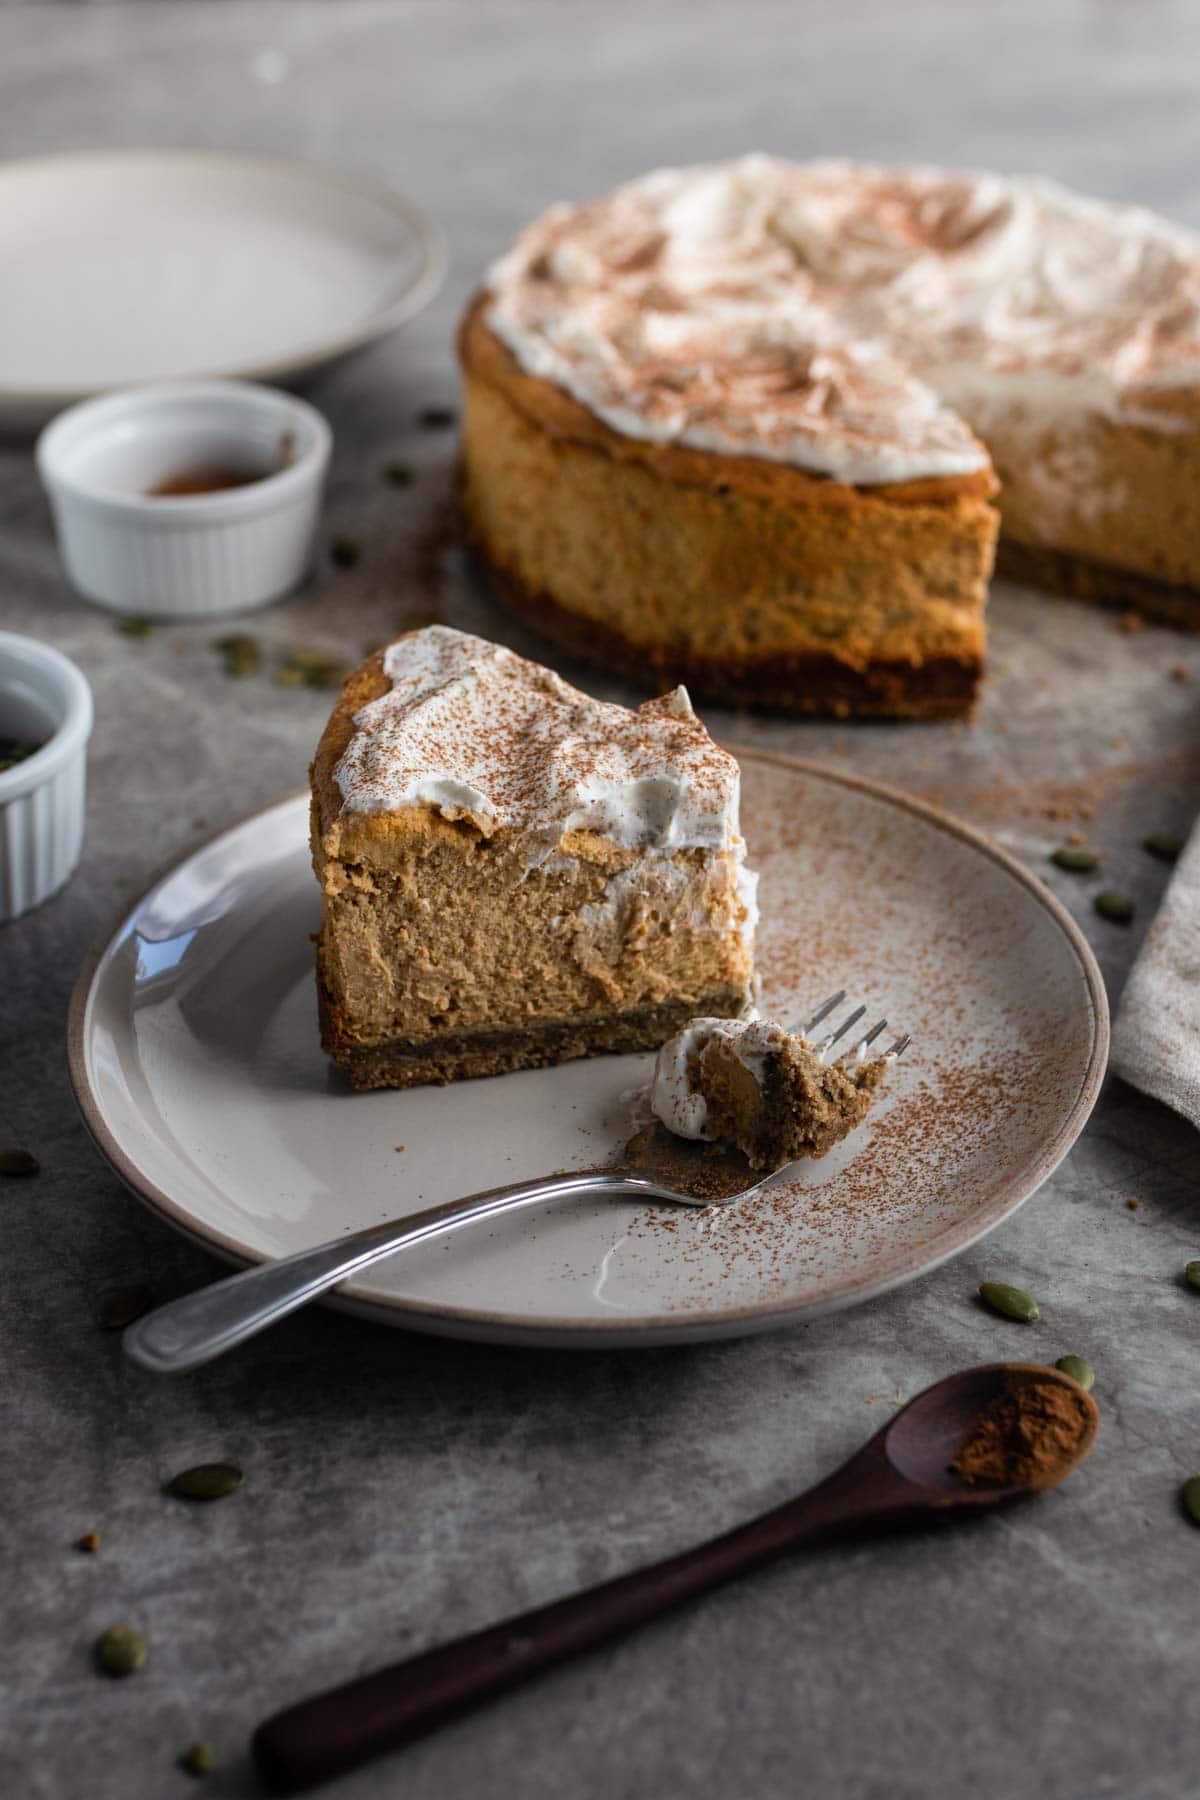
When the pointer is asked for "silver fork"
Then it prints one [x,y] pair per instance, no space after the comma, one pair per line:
[672,1171]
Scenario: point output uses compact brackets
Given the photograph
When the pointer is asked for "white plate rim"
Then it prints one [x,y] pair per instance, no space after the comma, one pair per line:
[428,235]
[666,1328]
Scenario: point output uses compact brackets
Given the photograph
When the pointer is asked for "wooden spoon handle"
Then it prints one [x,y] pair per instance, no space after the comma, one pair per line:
[333,1732]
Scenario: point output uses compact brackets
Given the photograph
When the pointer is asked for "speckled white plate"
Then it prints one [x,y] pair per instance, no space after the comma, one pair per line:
[121,266]
[194,1054]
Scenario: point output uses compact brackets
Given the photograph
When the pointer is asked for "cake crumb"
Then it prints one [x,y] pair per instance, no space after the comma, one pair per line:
[90,1541]
[1133,1203]
[1180,672]
[1131,623]
[398,1147]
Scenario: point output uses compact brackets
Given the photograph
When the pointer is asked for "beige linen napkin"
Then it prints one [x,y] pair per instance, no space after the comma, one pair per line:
[1156,1039]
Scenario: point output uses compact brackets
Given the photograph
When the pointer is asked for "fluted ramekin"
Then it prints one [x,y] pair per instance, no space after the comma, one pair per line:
[192,555]
[43,697]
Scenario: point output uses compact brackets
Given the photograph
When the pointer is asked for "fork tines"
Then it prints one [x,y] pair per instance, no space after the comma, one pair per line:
[861,1045]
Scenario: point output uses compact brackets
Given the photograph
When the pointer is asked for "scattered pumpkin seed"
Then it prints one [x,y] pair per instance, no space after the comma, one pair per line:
[313,669]
[207,1481]
[398,474]
[18,1162]
[121,1650]
[1076,857]
[343,552]
[134,627]
[437,418]
[1116,908]
[121,1306]
[1166,845]
[15,750]
[90,1541]
[313,661]
[1079,1369]
[1009,1302]
[197,1759]
[241,653]
[1192,1274]
[1191,1497]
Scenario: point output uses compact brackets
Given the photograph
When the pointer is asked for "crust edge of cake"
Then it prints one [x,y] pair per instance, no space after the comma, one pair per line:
[469,1055]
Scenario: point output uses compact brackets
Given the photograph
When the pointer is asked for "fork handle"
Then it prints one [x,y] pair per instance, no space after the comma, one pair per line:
[194,1329]
[334,1732]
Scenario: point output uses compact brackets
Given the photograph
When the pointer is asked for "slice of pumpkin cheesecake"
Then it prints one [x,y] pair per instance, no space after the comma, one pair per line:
[513,873]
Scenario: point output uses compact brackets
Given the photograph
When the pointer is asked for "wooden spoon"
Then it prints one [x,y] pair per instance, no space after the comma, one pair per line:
[902,1477]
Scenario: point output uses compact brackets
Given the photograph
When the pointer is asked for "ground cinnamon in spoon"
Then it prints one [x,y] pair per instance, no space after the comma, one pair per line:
[1029,1436]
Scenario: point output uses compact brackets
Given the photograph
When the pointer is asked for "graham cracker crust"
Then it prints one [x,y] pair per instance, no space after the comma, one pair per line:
[1080,579]
[459,1056]
[810,684]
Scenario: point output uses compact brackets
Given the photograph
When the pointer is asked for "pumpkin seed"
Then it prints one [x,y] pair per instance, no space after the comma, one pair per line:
[343,552]
[398,474]
[121,1306]
[1166,845]
[313,669]
[197,1759]
[1191,1497]
[240,652]
[207,1481]
[1079,1369]
[437,418]
[1009,1302]
[134,628]
[1116,908]
[18,1162]
[331,675]
[16,750]
[121,1650]
[1076,857]
[1192,1274]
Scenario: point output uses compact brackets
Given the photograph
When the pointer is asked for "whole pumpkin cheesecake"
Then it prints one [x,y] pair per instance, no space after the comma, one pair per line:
[742,424]
[513,873]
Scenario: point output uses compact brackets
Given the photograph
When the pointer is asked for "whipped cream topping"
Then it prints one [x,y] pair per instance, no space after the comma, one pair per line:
[673,1099]
[475,732]
[829,314]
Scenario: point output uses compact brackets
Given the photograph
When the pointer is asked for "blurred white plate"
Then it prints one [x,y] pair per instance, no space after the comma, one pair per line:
[126,266]
[196,1061]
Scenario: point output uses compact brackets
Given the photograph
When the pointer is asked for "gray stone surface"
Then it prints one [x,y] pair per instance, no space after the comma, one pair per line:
[401,1491]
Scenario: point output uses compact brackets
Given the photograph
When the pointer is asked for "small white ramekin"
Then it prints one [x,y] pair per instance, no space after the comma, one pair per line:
[196,555]
[42,697]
